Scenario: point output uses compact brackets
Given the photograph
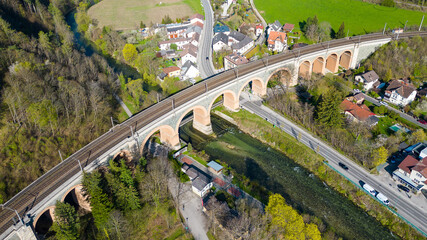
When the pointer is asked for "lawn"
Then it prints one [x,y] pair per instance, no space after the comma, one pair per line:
[127,14]
[359,17]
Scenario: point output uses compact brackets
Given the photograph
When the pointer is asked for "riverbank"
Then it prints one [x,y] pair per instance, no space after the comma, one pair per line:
[265,132]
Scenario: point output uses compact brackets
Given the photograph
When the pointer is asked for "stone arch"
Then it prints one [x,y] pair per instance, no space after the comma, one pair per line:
[168,136]
[286,78]
[77,193]
[230,100]
[304,70]
[258,87]
[345,59]
[201,119]
[332,62]
[44,220]
[318,65]
[124,154]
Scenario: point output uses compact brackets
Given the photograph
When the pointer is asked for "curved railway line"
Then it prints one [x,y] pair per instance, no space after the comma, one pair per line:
[44,185]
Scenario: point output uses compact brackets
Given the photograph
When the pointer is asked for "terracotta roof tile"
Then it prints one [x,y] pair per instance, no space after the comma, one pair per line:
[273,36]
[360,113]
[408,163]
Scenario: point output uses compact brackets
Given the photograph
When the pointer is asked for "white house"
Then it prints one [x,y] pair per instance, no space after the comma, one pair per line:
[201,185]
[276,26]
[239,42]
[189,71]
[191,30]
[219,42]
[180,42]
[400,92]
[197,18]
[259,30]
[195,40]
[412,172]
[189,54]
[277,41]
[368,79]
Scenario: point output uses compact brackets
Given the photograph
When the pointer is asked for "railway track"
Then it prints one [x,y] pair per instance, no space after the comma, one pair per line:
[43,186]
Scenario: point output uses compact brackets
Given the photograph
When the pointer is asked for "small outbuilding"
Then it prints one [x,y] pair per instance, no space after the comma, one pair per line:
[215,167]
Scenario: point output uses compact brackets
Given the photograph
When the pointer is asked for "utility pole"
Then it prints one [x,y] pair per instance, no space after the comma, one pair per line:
[384,28]
[112,123]
[421,24]
[11,209]
[80,165]
[404,28]
[60,155]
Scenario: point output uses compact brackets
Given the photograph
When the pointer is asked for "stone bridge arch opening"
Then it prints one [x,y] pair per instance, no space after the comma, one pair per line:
[255,86]
[280,76]
[304,70]
[77,198]
[44,221]
[332,63]
[201,119]
[318,65]
[345,59]
[229,100]
[166,134]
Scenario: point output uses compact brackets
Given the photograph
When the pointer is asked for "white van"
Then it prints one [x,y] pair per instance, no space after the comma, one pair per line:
[383,198]
[370,189]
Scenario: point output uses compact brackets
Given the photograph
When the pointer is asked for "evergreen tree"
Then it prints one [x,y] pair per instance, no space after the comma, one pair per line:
[125,197]
[101,205]
[341,31]
[66,225]
[328,113]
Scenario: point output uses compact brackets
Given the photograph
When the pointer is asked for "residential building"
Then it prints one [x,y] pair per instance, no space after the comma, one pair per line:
[248,29]
[173,71]
[368,79]
[277,41]
[276,26]
[215,167]
[220,42]
[259,30]
[189,71]
[192,30]
[422,93]
[288,27]
[169,54]
[221,29]
[233,60]
[195,40]
[180,42]
[412,172]
[358,113]
[201,185]
[189,54]
[239,42]
[400,92]
[177,32]
[197,18]
[359,98]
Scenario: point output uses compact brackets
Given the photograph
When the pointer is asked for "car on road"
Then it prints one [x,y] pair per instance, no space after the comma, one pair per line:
[207,58]
[370,189]
[403,188]
[356,90]
[422,121]
[343,166]
[383,198]
[383,103]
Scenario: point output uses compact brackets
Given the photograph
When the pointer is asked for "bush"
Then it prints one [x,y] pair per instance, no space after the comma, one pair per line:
[388,3]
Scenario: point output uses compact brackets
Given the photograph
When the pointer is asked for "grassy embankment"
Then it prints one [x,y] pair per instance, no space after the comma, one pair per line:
[127,14]
[276,138]
[359,17]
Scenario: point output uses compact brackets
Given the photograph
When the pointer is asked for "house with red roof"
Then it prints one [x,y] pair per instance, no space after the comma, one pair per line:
[400,92]
[359,113]
[288,27]
[173,71]
[259,29]
[412,173]
[277,41]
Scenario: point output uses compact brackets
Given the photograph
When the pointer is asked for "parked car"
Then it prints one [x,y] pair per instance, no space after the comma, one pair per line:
[383,198]
[403,188]
[422,121]
[356,90]
[343,165]
[370,189]
[383,103]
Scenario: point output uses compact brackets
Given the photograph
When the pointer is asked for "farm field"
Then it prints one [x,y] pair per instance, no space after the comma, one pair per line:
[127,14]
[359,17]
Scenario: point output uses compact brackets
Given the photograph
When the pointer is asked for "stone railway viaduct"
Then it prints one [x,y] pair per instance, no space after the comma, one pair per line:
[38,218]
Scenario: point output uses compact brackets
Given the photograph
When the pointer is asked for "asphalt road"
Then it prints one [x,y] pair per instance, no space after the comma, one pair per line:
[402,114]
[406,208]
[205,46]
[37,191]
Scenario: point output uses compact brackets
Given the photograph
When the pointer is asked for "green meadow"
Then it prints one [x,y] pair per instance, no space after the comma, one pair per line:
[359,17]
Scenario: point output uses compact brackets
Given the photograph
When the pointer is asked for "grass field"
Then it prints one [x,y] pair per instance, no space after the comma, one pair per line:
[127,14]
[359,17]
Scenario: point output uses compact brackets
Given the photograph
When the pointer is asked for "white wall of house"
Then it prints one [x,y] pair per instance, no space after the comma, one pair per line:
[278,46]
[417,177]
[188,57]
[204,190]
[259,31]
[395,98]
[219,46]
[195,43]
[366,85]
[245,48]
[228,64]
[191,73]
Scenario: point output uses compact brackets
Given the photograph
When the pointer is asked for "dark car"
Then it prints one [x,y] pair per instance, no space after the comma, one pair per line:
[343,165]
[403,188]
[422,121]
[207,58]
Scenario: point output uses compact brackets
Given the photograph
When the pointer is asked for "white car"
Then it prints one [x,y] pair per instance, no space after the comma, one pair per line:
[370,189]
[383,198]
[356,90]
[383,103]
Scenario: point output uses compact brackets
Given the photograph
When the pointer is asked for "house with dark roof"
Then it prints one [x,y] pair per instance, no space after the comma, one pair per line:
[277,41]
[239,42]
[400,92]
[177,32]
[276,26]
[412,173]
[233,60]
[189,71]
[221,29]
[368,79]
[192,30]
[359,113]
[220,42]
[189,54]
[179,42]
